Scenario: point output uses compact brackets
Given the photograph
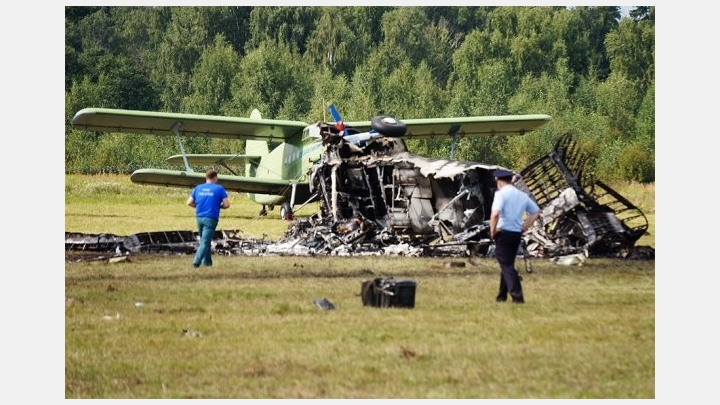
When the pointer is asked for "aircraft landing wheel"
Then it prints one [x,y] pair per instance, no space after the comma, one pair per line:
[263,212]
[286,211]
[388,126]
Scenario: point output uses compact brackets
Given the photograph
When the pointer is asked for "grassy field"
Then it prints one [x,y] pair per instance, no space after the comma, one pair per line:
[154,327]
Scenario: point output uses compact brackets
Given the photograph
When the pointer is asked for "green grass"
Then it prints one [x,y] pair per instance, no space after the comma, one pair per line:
[254,332]
[113,204]
[585,332]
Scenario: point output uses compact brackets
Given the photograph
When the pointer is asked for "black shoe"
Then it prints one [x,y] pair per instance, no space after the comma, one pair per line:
[518,301]
[196,265]
[500,299]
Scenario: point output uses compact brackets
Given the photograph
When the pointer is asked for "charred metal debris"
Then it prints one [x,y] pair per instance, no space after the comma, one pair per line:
[379,199]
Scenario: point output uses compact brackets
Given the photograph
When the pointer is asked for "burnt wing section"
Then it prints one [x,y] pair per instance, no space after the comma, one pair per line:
[578,212]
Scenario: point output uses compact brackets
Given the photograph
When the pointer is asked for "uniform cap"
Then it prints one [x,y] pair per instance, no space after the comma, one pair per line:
[500,173]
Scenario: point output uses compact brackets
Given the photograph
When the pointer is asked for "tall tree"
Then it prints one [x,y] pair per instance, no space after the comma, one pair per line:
[273,79]
[643,13]
[411,92]
[405,35]
[233,22]
[533,47]
[290,26]
[481,82]
[597,23]
[185,39]
[619,98]
[631,49]
[546,94]
[344,37]
[442,41]
[212,78]
[334,44]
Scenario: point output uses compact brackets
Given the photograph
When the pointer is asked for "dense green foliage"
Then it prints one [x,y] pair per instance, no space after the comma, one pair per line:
[592,71]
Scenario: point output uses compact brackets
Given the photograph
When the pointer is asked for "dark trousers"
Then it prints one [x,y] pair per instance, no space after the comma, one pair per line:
[506,248]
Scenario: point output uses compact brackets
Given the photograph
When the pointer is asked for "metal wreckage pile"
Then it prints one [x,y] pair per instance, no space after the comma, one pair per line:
[382,200]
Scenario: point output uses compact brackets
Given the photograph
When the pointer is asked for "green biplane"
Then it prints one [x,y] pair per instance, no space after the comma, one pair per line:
[278,154]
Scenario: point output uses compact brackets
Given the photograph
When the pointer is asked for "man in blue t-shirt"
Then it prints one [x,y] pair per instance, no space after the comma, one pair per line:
[506,227]
[207,199]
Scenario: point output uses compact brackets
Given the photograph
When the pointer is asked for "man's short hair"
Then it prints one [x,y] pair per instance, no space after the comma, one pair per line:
[211,174]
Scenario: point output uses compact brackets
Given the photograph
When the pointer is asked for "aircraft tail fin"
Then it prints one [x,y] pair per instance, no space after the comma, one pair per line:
[255,114]
[256,148]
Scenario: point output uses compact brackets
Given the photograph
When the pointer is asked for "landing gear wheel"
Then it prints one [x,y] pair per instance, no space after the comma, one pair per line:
[388,126]
[263,212]
[286,211]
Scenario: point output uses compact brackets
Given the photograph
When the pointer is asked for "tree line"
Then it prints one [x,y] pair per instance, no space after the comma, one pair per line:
[588,68]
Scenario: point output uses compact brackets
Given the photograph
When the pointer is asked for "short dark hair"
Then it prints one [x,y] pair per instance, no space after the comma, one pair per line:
[211,174]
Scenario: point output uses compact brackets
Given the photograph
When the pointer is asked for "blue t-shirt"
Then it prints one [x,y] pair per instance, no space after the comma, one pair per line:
[512,204]
[208,197]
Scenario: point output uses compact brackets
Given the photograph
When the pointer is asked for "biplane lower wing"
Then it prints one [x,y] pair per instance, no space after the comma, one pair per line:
[176,178]
[213,159]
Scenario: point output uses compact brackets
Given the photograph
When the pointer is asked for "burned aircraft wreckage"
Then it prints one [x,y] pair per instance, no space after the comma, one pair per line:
[381,199]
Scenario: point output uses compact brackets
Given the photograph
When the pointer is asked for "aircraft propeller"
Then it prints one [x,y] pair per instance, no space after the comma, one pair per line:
[382,125]
[338,121]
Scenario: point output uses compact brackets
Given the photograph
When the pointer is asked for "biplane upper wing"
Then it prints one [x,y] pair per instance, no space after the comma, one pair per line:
[466,126]
[164,123]
[176,178]
[213,159]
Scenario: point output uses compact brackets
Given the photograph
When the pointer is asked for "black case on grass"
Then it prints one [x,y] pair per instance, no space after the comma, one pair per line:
[388,292]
